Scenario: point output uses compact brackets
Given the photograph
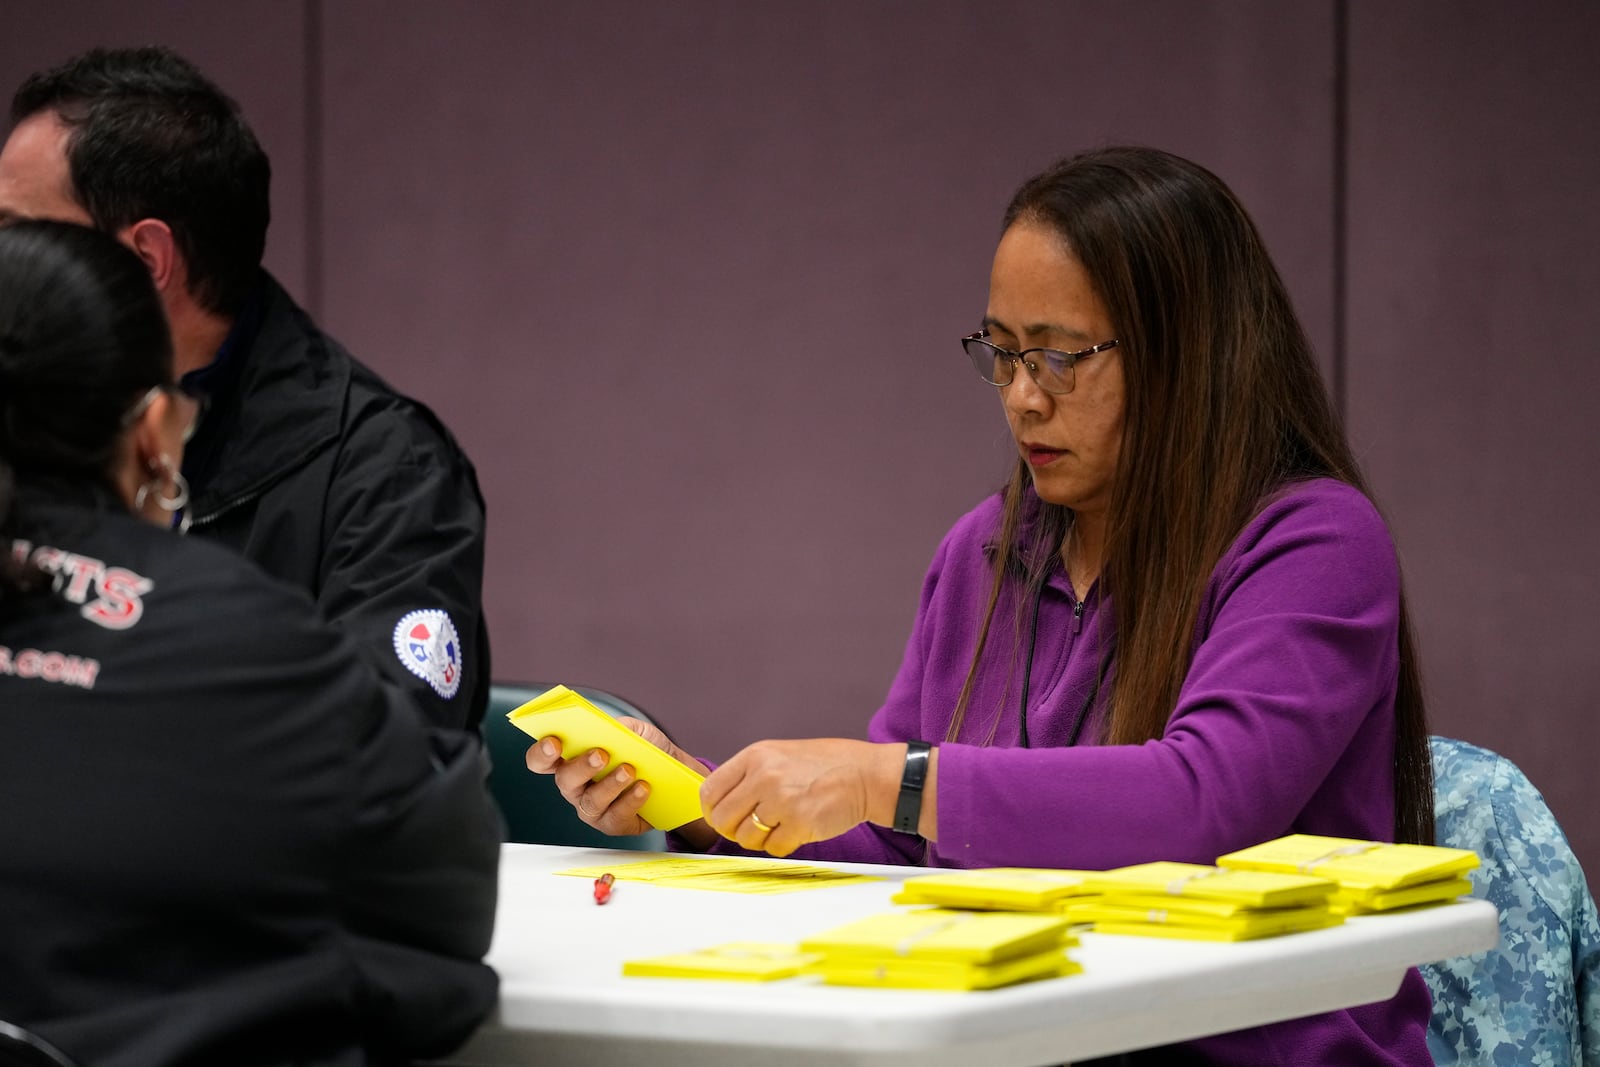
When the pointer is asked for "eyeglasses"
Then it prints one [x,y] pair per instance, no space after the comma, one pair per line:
[1050,367]
[189,402]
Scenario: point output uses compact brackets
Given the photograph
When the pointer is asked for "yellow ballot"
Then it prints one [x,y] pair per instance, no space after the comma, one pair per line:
[1246,924]
[738,961]
[559,712]
[1182,908]
[895,972]
[726,874]
[943,934]
[1256,889]
[996,888]
[1360,867]
[1440,892]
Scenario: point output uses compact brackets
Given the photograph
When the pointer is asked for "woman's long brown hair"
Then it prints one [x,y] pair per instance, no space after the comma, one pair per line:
[1224,405]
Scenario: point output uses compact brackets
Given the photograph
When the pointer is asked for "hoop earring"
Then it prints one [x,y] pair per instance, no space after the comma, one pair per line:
[164,474]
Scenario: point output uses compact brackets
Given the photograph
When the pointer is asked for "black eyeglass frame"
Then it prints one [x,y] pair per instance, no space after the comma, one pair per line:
[200,401]
[1060,364]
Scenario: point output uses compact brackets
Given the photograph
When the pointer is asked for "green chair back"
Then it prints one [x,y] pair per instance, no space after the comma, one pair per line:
[535,812]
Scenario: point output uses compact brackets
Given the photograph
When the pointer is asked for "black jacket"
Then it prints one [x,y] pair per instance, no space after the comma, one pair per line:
[308,464]
[225,839]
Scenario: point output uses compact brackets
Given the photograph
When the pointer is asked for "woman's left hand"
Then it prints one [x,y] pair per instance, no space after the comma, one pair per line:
[775,796]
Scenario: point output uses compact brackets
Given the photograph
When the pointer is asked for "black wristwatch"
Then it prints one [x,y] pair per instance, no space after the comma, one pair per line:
[908,809]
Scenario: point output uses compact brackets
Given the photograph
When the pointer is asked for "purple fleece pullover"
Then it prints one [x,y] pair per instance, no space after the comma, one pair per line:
[1285,724]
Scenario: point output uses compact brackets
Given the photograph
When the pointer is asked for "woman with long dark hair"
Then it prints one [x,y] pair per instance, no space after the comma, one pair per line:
[1179,629]
[225,839]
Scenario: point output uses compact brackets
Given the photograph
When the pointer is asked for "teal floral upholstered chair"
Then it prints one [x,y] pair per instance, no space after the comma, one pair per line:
[1536,998]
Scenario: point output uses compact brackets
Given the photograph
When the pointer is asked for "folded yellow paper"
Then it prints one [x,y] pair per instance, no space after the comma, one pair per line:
[995,888]
[1440,892]
[1354,864]
[740,961]
[1257,889]
[943,934]
[559,712]
[1246,926]
[1179,906]
[902,973]
[726,874]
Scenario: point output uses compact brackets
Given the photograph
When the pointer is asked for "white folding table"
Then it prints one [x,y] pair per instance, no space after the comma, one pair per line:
[564,1000]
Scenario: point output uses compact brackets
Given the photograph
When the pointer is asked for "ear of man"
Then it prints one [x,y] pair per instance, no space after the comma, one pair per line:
[197,333]
[152,240]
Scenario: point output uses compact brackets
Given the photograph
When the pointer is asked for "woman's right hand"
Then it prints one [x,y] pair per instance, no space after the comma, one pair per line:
[612,804]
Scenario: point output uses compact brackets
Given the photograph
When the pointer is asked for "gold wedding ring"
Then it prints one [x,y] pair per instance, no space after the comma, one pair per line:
[759,824]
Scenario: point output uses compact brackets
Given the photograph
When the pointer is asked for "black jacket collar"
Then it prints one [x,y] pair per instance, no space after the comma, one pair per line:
[276,401]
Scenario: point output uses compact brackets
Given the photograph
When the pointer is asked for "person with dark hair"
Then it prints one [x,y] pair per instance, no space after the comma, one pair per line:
[303,460]
[1178,631]
[227,838]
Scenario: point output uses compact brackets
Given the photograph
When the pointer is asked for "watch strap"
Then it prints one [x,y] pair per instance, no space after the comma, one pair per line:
[908,808]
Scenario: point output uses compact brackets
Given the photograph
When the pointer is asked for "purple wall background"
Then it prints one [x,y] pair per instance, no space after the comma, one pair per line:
[686,280]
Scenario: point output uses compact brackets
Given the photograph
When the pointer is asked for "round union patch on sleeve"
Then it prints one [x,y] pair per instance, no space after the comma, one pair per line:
[427,643]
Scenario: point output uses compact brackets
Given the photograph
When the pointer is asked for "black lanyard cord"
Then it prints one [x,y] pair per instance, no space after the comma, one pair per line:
[1027,665]
[1027,682]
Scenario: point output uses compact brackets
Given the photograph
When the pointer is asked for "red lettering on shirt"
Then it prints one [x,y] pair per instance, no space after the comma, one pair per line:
[119,605]
[47,666]
[48,559]
[118,602]
[81,572]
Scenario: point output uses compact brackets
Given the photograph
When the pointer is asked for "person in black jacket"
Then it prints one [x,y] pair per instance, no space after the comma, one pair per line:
[227,839]
[304,460]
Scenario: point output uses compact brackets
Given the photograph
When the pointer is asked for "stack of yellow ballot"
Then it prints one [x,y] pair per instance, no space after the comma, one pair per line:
[997,889]
[1187,900]
[562,713]
[1371,875]
[940,948]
